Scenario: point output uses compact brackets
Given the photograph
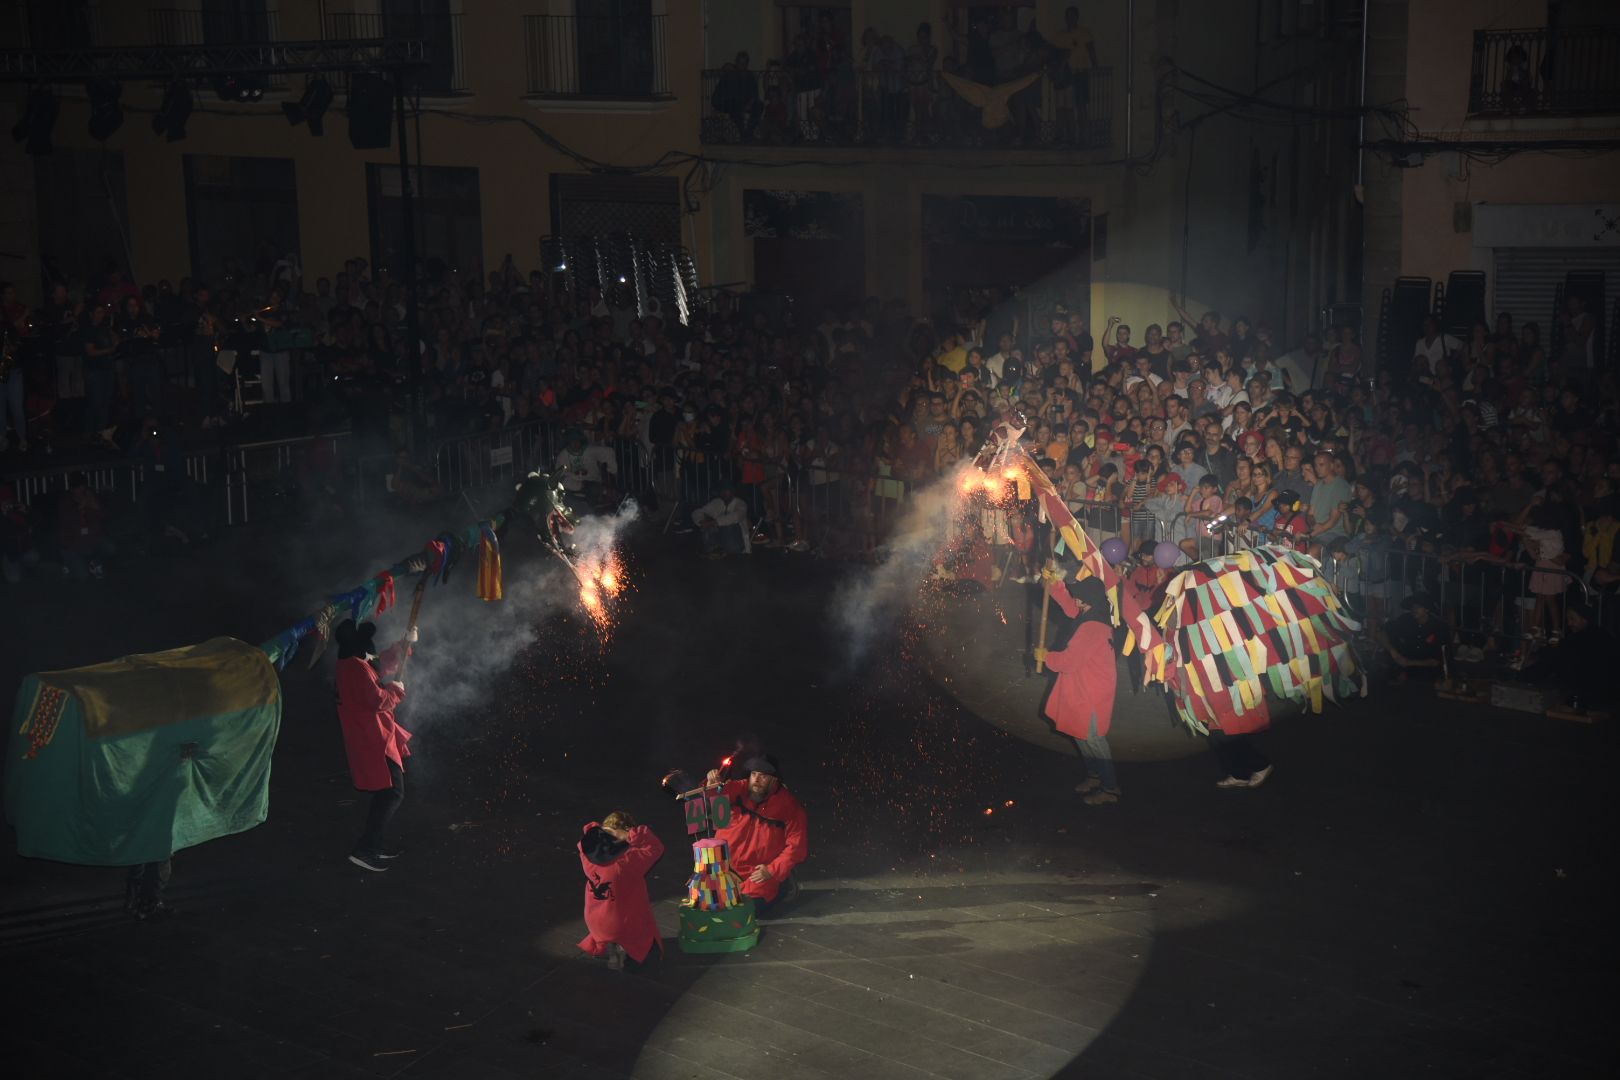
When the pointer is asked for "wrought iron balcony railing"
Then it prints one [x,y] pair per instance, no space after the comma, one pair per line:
[859,107]
[1564,72]
[440,34]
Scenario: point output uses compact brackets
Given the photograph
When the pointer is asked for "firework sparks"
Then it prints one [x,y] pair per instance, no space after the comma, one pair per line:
[601,581]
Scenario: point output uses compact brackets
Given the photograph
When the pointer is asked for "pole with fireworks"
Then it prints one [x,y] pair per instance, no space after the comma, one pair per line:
[539,499]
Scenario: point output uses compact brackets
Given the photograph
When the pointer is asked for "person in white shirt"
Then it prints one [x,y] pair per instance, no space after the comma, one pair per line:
[585,466]
[1433,346]
[723,522]
[997,361]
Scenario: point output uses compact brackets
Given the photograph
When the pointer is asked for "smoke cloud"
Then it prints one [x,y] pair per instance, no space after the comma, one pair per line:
[868,603]
[467,644]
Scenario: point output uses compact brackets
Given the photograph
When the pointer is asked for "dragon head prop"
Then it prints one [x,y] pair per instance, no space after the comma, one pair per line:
[541,499]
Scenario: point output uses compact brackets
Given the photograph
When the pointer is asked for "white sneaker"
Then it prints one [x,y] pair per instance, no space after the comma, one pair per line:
[1260,777]
[1231,782]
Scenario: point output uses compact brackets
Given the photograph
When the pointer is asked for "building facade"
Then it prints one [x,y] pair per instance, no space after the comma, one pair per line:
[1501,194]
[522,105]
[1123,178]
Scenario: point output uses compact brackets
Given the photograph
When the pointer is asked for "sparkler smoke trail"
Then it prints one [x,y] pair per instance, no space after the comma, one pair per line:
[468,643]
[867,604]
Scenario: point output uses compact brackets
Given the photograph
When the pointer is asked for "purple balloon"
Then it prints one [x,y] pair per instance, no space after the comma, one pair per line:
[1166,555]
[1113,549]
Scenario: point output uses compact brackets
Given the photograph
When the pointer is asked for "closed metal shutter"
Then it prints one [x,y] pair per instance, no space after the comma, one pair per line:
[645,207]
[1527,280]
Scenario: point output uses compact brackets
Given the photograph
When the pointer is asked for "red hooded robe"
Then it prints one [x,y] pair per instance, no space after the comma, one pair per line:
[371,735]
[617,908]
[1086,674]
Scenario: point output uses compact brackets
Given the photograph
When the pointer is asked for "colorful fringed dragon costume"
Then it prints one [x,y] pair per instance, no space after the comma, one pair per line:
[1228,629]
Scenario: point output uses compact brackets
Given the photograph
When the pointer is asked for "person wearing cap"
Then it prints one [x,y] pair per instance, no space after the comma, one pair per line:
[616,854]
[1291,522]
[769,831]
[1081,702]
[373,739]
[1416,639]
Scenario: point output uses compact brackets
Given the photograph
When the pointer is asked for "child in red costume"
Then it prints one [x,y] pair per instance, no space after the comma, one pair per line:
[375,743]
[616,855]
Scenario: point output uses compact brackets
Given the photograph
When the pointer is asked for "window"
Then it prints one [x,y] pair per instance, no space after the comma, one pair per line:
[59,24]
[616,55]
[449,218]
[228,21]
[82,211]
[242,212]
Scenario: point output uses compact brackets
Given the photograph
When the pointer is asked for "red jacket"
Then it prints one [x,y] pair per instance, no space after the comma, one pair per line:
[616,905]
[371,735]
[773,834]
[1085,674]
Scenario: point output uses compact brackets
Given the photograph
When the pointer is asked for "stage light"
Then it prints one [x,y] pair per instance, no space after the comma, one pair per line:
[311,107]
[106,108]
[39,117]
[172,114]
[240,88]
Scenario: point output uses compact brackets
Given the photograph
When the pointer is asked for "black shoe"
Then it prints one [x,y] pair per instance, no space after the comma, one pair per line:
[368,861]
[389,853]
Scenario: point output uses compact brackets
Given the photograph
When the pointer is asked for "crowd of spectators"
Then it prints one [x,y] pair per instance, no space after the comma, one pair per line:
[1487,455]
[997,71]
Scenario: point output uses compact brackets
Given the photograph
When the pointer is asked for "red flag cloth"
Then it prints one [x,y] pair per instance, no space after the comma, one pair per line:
[385,591]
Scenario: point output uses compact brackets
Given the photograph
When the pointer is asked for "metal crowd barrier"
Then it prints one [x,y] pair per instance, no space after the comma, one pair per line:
[235,471]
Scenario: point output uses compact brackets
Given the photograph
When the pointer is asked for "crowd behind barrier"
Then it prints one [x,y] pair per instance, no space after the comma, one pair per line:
[1468,455]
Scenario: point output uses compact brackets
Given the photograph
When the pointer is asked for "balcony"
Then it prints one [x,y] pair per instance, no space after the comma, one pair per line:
[1544,72]
[589,58]
[60,26]
[864,108]
[188,26]
[445,74]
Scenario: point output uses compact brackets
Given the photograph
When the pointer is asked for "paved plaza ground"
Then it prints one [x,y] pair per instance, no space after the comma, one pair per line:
[1421,889]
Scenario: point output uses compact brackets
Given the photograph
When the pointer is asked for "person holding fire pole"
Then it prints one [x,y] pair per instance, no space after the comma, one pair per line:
[369,689]
[768,834]
[1081,702]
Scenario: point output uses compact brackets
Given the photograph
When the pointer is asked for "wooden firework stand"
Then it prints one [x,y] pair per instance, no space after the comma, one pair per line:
[715,916]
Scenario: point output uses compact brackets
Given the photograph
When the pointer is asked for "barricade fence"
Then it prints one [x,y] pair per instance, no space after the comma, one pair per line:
[814,502]
[231,478]
[1483,598]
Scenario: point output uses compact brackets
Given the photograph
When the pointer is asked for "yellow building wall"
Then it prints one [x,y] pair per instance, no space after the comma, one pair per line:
[1439,68]
[514,164]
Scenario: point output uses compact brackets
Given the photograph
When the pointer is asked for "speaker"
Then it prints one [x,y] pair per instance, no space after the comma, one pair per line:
[371,112]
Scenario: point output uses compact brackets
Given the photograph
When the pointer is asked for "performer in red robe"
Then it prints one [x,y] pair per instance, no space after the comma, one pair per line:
[616,855]
[375,743]
[1081,703]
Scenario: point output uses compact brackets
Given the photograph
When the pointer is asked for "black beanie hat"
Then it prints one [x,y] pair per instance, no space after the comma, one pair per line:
[355,640]
[764,763]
